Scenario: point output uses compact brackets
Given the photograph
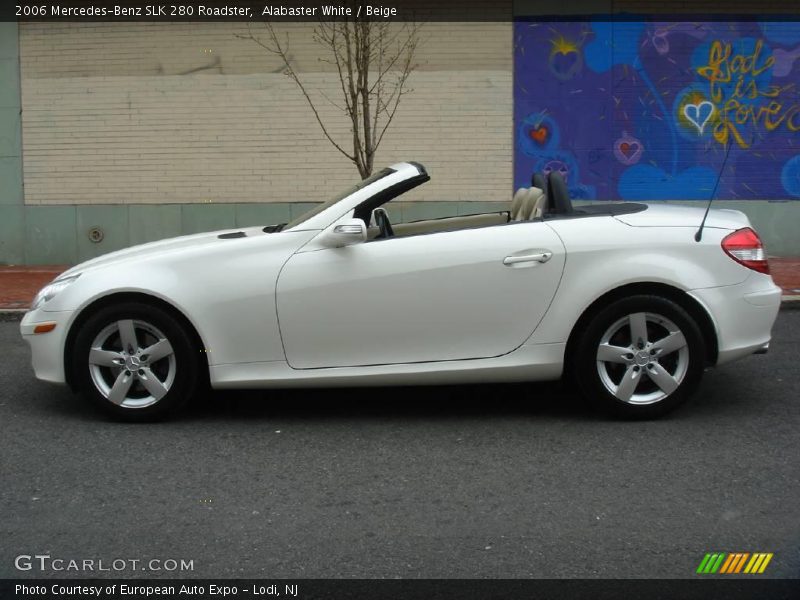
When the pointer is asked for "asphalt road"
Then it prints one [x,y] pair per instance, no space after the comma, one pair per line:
[502,481]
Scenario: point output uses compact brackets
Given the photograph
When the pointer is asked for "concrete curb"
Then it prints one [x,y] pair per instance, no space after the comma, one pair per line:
[790,303]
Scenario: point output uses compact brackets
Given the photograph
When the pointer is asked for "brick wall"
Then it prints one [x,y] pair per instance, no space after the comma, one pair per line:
[123,113]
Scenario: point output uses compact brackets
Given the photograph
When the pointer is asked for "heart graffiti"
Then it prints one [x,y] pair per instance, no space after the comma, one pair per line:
[565,64]
[539,135]
[699,114]
[628,149]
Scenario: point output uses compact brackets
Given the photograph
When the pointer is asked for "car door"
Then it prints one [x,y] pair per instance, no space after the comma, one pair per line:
[464,294]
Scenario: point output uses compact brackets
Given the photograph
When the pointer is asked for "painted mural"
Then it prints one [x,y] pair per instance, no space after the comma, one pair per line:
[649,110]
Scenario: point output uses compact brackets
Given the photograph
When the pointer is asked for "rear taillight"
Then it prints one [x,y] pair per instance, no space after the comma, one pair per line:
[745,247]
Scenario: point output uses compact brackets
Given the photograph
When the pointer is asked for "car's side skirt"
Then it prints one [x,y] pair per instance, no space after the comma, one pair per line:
[536,362]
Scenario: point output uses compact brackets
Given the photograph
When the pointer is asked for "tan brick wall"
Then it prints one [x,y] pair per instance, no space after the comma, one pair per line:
[188,112]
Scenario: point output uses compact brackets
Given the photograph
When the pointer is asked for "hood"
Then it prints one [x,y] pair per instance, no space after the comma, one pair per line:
[162,247]
[672,215]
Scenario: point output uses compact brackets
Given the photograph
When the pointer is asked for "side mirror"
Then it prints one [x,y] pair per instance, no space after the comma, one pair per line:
[352,231]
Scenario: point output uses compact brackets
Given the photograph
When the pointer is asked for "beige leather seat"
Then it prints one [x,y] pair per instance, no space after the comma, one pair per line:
[527,204]
[539,200]
[516,203]
[526,209]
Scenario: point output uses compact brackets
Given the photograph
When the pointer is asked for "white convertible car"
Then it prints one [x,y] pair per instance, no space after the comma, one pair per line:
[628,299]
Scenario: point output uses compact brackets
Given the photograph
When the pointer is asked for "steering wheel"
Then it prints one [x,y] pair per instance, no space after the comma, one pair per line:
[382,221]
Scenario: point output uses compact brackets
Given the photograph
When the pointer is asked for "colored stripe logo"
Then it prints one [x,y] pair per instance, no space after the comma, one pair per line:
[734,562]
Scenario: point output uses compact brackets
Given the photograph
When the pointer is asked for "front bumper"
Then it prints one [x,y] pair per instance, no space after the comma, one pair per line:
[47,349]
[743,315]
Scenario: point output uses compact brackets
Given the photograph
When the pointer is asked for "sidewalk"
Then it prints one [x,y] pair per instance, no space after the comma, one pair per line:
[786,273]
[18,285]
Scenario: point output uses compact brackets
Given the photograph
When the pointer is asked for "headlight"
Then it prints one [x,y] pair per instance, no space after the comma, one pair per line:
[49,291]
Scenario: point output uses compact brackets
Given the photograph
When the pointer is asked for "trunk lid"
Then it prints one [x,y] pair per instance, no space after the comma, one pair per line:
[671,215]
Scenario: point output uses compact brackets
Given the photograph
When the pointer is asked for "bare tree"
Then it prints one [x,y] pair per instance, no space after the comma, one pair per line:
[373,60]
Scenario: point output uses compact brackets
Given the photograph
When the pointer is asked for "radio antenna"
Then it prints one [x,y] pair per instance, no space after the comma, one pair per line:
[699,235]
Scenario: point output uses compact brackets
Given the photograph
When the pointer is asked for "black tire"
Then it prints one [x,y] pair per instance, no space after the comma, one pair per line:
[682,367]
[149,323]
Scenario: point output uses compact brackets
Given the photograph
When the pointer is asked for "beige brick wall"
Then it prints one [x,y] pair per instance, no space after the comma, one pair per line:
[188,112]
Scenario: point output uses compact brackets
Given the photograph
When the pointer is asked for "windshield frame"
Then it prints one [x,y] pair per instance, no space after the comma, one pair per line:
[322,206]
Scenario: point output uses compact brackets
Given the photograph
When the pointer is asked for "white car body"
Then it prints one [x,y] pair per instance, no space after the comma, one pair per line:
[287,309]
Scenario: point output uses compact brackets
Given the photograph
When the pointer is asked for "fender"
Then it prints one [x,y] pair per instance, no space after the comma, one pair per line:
[214,286]
[599,261]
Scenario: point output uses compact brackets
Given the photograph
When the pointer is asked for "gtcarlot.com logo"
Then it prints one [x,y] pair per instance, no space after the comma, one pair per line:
[732,563]
[45,562]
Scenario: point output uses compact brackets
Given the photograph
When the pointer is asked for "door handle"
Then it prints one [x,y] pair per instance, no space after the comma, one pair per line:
[540,257]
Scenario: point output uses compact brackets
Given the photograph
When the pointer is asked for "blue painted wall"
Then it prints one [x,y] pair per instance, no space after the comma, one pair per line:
[649,110]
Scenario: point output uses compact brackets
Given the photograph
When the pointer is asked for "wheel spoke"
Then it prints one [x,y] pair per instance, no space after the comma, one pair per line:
[627,386]
[638,324]
[662,378]
[127,335]
[105,358]
[161,349]
[152,384]
[121,386]
[613,354]
[674,341]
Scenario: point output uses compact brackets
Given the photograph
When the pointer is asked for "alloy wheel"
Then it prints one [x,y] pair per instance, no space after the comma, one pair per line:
[132,363]
[642,358]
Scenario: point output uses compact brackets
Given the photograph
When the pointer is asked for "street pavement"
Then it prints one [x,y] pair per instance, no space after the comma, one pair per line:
[484,481]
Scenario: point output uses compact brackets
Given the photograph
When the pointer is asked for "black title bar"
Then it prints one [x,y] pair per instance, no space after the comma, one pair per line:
[733,588]
[383,10]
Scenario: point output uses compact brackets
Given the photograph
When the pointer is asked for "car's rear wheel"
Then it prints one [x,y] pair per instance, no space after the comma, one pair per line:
[640,357]
[136,361]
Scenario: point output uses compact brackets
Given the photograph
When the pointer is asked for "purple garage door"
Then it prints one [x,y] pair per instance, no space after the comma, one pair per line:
[648,110]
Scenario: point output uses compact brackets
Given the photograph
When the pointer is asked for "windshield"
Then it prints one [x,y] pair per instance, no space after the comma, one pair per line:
[324,205]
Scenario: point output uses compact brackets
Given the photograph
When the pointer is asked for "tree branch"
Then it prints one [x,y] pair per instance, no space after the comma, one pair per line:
[289,70]
[358,50]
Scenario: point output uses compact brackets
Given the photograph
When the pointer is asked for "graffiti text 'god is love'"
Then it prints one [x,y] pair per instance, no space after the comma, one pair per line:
[740,108]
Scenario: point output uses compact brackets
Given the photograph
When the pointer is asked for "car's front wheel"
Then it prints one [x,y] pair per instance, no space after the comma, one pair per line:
[135,361]
[640,357]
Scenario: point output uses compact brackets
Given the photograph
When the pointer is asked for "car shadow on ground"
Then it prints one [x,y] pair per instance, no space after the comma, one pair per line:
[412,402]
[546,400]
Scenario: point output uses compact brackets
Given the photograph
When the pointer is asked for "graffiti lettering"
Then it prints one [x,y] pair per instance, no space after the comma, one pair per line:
[721,67]
[640,109]
[741,107]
